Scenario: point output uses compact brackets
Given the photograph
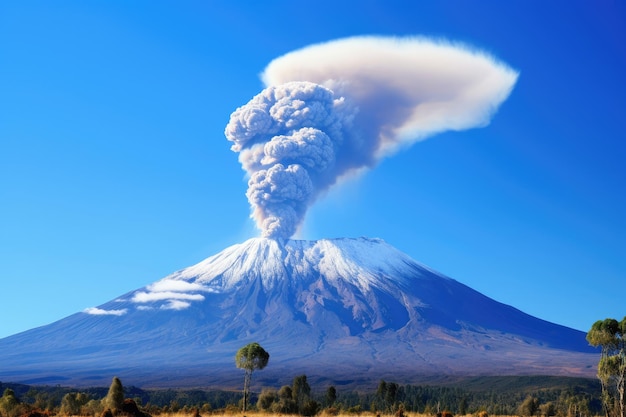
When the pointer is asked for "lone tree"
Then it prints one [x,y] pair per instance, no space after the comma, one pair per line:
[249,358]
[610,336]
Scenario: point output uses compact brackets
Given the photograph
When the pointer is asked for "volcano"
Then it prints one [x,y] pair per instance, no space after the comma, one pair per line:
[341,311]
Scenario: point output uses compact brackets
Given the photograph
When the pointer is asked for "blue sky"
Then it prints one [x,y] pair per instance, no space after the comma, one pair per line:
[115,172]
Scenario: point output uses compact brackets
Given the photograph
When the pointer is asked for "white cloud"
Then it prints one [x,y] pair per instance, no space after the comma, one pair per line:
[100,312]
[145,297]
[406,89]
[176,305]
[175,285]
[177,294]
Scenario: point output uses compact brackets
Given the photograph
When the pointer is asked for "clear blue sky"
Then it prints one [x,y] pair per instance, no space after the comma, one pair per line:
[115,172]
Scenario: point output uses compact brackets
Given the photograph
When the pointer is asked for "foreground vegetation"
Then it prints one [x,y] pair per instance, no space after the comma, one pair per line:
[484,396]
[610,335]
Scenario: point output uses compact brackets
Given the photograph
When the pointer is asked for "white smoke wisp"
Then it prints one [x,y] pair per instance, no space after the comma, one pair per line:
[339,107]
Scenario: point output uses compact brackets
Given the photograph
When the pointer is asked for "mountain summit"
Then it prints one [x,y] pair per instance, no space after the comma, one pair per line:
[347,311]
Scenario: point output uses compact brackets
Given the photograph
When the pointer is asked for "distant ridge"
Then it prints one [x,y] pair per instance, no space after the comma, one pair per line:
[343,311]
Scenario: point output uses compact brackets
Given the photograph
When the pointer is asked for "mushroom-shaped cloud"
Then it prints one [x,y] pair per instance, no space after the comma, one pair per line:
[336,108]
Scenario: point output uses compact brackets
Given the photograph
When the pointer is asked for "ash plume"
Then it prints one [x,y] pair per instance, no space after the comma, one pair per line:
[337,108]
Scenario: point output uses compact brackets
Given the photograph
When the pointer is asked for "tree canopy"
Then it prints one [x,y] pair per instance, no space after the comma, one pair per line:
[251,357]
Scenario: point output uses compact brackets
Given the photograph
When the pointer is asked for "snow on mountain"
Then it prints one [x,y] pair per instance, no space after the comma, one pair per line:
[344,310]
[362,262]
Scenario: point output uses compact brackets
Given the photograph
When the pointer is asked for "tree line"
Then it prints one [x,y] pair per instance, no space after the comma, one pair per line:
[561,397]
[20,399]
[524,396]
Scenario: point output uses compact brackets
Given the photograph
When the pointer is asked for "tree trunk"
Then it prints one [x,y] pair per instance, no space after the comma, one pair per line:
[620,391]
[246,388]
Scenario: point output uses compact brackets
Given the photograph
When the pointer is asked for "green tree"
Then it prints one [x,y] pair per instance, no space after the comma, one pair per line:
[610,336]
[463,406]
[331,396]
[548,409]
[381,394]
[301,394]
[8,402]
[115,397]
[391,395]
[387,393]
[529,406]
[300,391]
[249,358]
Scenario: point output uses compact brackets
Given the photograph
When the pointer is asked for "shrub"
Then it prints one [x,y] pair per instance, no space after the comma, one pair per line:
[285,403]
[285,406]
[267,398]
[9,403]
[73,402]
[309,408]
[92,408]
[153,409]
[35,413]
[232,409]
[130,408]
[331,411]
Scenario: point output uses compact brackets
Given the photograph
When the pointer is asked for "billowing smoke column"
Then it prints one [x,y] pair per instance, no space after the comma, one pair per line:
[336,108]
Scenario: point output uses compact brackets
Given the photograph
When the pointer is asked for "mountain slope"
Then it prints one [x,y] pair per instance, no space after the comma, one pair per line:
[349,311]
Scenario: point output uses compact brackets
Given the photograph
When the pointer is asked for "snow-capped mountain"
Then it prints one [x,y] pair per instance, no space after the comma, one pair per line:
[350,311]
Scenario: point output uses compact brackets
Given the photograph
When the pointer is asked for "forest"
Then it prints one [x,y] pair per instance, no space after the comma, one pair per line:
[515,395]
